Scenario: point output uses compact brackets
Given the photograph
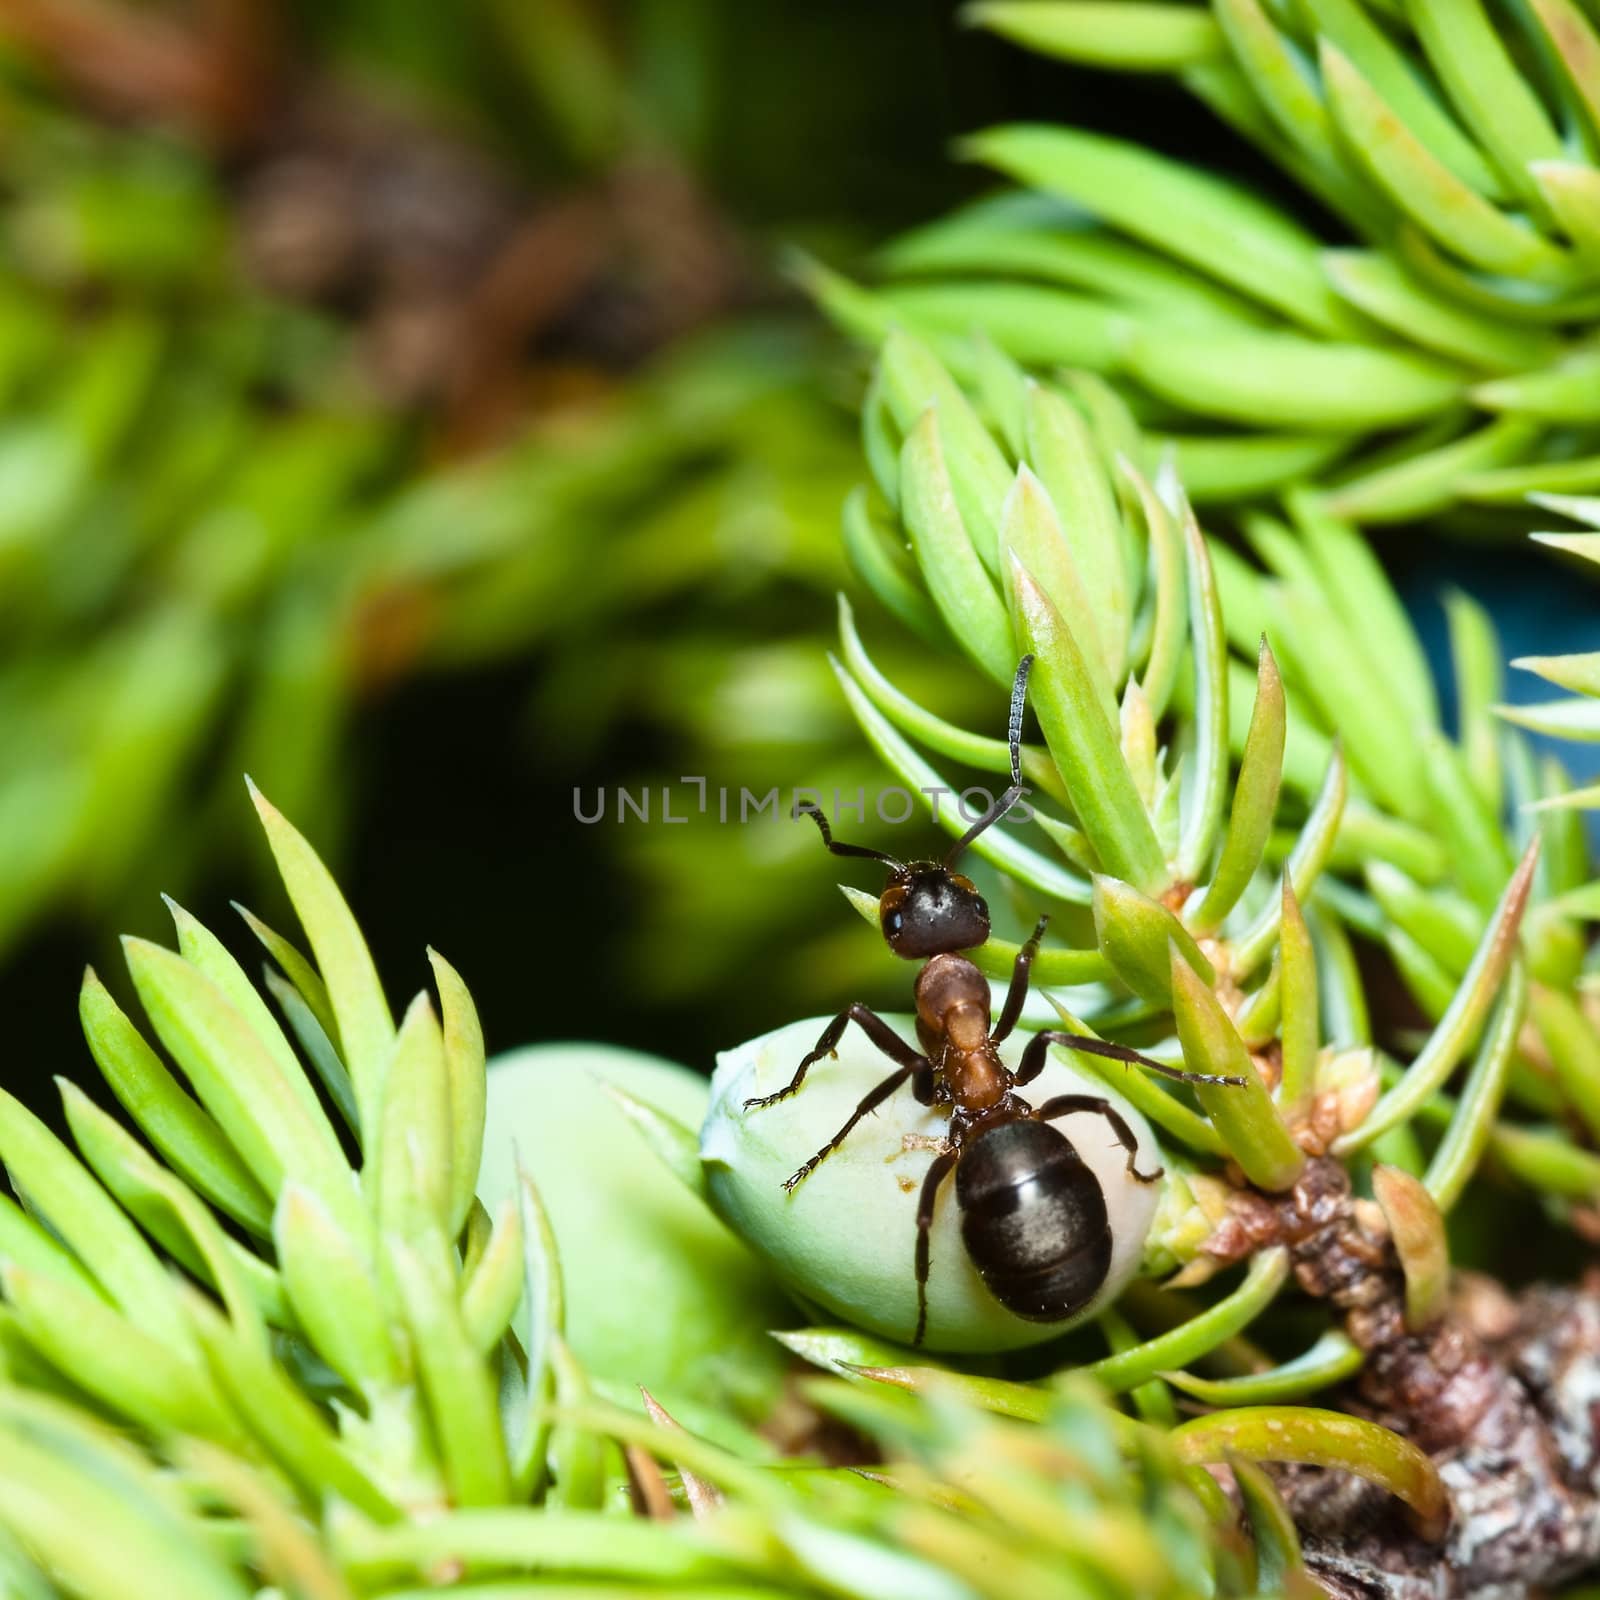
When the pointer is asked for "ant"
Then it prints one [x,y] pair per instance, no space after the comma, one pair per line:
[1034,1218]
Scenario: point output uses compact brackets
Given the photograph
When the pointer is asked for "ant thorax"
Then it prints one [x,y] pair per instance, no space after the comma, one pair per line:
[976,1080]
[953,1025]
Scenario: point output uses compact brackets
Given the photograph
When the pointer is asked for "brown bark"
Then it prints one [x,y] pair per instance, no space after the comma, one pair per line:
[1504,1395]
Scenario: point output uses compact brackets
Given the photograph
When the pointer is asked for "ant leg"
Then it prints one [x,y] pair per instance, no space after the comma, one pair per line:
[1033,1059]
[938,1170]
[871,1024]
[1018,992]
[1064,1104]
[869,1103]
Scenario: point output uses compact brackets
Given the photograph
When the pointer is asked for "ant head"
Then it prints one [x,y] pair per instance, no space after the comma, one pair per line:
[928,910]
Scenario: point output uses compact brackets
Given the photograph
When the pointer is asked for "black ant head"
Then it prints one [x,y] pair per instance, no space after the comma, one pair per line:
[928,910]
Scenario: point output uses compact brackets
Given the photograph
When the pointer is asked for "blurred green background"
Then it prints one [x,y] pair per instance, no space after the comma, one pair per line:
[406,404]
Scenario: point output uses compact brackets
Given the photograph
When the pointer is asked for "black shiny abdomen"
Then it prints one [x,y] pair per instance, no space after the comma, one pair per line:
[1033,1219]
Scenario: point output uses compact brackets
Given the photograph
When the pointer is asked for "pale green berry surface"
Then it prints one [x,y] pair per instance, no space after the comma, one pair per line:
[658,1292]
[844,1240]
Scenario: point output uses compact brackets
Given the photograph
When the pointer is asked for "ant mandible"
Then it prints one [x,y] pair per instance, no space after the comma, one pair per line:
[1034,1218]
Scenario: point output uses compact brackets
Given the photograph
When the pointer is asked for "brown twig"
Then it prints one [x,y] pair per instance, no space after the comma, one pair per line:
[1504,1395]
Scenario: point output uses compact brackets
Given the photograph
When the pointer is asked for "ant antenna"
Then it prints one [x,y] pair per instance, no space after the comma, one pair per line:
[1019,694]
[807,809]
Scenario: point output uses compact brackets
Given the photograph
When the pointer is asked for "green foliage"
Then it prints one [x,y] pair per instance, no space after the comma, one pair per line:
[1436,359]
[1576,717]
[1185,845]
[226,542]
[1283,813]
[271,1337]
[353,1402]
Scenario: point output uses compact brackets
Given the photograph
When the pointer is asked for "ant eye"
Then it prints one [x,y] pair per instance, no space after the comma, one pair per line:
[893,922]
[983,907]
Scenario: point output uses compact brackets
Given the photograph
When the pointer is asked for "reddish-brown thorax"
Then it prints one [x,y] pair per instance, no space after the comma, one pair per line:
[953,1027]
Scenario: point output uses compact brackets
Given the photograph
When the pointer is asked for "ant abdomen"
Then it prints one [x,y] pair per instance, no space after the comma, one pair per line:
[1033,1220]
